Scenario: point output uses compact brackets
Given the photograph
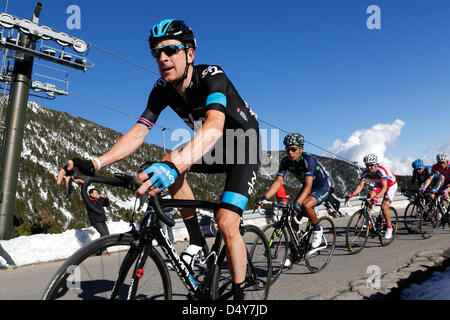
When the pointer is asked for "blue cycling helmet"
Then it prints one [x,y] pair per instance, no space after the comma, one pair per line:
[171,29]
[417,164]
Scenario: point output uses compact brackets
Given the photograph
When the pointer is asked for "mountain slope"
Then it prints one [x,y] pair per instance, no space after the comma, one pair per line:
[51,137]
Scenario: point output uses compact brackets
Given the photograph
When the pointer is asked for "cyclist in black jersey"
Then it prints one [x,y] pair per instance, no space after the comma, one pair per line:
[316,184]
[226,140]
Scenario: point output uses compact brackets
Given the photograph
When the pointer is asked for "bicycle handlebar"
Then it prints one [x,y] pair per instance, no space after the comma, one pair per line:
[119,180]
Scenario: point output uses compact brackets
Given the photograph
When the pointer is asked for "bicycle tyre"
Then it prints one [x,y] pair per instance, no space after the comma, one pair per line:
[98,283]
[411,218]
[278,244]
[394,224]
[318,258]
[357,232]
[259,268]
[428,222]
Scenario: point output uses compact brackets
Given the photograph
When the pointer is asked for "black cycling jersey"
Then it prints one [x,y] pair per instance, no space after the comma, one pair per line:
[421,177]
[210,89]
[304,166]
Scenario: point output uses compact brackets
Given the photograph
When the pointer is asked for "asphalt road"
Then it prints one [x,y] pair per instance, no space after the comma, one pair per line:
[28,282]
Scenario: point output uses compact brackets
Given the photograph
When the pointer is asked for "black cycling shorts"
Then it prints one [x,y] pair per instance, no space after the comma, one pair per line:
[240,161]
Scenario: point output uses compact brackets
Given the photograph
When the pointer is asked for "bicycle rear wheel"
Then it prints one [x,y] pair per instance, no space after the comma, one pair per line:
[428,222]
[278,243]
[86,275]
[357,232]
[317,258]
[412,218]
[258,273]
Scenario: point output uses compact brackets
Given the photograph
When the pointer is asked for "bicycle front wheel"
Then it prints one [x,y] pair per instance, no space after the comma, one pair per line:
[412,218]
[90,274]
[317,258]
[278,243]
[258,271]
[357,232]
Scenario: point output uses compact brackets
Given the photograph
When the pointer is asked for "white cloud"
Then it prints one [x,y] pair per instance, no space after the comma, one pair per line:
[374,140]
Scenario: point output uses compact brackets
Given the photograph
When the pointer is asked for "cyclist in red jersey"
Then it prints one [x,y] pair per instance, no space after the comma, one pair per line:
[281,195]
[441,168]
[385,186]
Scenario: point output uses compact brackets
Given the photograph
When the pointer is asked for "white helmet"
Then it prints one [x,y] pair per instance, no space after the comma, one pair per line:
[370,158]
[442,157]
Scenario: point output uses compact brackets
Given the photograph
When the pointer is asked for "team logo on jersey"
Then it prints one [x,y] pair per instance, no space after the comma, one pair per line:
[251,183]
[213,70]
[242,114]
[160,83]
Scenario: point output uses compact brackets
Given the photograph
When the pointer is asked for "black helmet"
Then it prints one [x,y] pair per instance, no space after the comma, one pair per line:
[294,139]
[171,29]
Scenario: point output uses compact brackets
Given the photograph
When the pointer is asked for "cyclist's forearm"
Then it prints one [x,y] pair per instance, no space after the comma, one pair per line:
[381,193]
[124,147]
[427,183]
[273,188]
[357,190]
[204,139]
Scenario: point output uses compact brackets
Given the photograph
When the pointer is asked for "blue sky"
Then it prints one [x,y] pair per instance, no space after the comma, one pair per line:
[308,66]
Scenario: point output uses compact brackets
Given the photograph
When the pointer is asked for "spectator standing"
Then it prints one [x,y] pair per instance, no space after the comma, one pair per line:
[98,221]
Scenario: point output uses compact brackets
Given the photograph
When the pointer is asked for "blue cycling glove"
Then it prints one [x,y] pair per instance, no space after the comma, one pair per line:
[162,174]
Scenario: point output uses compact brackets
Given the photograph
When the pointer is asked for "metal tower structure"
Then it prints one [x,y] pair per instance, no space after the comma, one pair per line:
[23,40]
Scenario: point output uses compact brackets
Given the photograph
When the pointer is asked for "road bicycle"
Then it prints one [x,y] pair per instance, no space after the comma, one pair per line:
[414,210]
[135,269]
[282,237]
[424,218]
[363,224]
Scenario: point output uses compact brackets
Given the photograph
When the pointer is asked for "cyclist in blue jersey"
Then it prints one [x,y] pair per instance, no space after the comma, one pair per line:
[316,184]
[226,140]
[420,175]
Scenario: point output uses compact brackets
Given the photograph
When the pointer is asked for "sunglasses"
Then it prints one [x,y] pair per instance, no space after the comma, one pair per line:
[293,149]
[168,50]
[370,165]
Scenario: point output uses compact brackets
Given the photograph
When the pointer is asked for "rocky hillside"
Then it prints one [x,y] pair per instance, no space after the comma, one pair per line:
[52,137]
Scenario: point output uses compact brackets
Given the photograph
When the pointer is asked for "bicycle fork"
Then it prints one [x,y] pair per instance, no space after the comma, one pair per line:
[127,262]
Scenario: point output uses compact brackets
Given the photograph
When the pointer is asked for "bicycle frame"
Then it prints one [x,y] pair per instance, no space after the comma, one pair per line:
[299,247]
[372,222]
[151,227]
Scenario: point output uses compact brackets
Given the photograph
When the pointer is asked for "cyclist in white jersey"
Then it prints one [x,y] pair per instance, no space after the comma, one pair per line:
[385,186]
